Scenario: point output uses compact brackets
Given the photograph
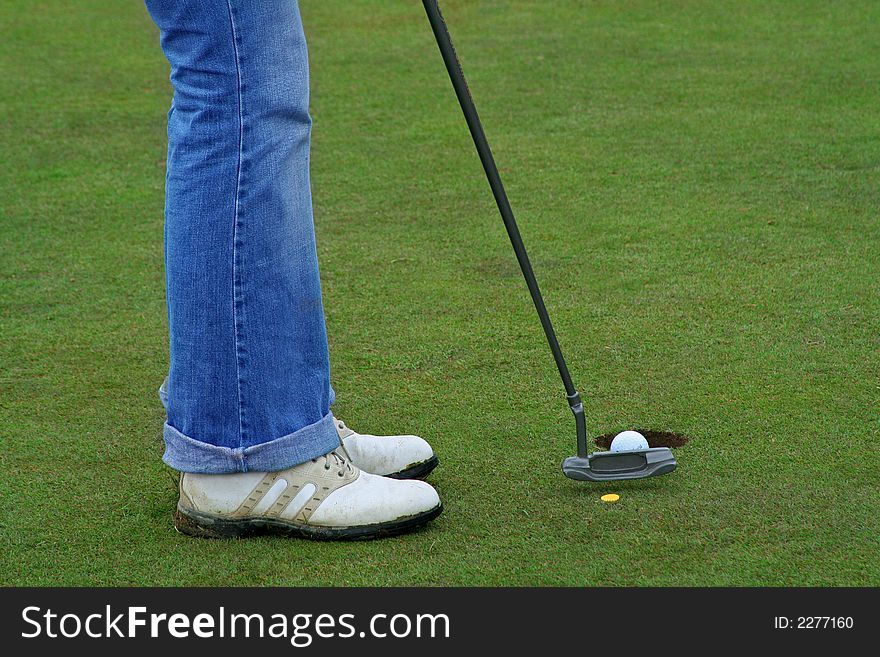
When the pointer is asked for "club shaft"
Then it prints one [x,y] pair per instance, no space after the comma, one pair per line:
[456,75]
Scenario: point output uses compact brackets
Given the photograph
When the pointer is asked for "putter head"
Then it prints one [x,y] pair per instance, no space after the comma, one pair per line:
[616,466]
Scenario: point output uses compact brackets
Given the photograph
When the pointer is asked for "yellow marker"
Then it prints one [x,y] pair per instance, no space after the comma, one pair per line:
[610,497]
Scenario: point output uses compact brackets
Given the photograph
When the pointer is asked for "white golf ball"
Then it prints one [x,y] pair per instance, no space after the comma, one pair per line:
[627,440]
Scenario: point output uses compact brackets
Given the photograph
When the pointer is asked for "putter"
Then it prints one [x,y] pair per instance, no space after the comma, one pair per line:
[599,466]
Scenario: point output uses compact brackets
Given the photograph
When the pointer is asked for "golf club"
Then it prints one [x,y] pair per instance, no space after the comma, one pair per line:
[599,466]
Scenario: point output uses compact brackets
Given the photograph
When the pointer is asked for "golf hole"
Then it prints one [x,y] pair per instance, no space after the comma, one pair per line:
[654,438]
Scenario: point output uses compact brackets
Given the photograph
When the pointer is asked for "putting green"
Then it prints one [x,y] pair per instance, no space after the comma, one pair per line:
[698,184]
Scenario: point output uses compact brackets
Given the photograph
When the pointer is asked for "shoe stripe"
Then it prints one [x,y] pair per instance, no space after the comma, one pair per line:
[283,500]
[298,502]
[247,506]
[270,497]
[275,492]
[309,506]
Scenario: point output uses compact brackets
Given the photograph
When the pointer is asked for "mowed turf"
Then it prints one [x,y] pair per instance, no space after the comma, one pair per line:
[699,186]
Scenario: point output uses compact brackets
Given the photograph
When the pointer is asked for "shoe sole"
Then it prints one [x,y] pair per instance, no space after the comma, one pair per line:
[417,471]
[202,525]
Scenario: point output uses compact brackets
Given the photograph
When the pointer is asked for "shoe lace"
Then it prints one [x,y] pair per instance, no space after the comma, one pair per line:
[335,459]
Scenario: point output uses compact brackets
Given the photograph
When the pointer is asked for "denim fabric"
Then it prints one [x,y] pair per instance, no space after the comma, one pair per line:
[249,380]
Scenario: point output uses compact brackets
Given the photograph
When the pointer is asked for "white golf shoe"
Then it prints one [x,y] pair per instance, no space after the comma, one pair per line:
[398,457]
[326,498]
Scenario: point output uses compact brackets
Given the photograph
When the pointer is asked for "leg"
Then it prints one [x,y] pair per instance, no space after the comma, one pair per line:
[249,377]
[249,397]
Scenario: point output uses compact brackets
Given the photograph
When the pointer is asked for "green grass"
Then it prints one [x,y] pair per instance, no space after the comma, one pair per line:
[699,185]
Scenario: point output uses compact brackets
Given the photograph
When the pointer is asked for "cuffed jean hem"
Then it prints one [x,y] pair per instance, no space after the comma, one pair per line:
[189,455]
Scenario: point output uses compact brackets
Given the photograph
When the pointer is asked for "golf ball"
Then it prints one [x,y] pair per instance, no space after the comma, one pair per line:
[627,440]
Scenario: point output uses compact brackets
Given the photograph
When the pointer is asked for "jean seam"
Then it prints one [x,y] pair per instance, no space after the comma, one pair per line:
[237,296]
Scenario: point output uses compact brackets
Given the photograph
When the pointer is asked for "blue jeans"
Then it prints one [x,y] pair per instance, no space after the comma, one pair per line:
[249,380]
